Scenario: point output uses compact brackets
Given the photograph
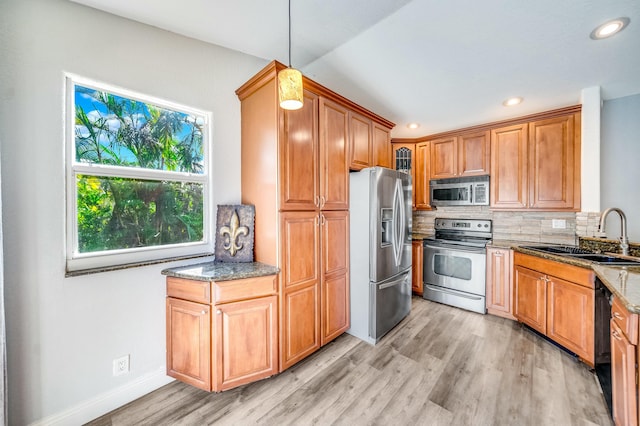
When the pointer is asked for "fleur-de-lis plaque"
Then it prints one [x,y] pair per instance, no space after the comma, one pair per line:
[233,231]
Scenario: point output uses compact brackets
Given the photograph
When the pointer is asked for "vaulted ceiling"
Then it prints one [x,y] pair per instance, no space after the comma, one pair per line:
[444,64]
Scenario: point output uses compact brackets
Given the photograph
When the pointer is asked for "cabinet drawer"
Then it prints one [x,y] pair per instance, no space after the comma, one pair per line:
[193,290]
[624,319]
[248,288]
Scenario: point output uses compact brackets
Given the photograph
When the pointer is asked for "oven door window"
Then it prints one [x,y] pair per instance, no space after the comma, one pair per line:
[453,266]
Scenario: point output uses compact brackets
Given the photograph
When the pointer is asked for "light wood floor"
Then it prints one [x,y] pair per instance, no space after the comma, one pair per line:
[440,366]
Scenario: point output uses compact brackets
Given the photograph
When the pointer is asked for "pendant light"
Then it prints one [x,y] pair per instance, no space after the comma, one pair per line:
[290,81]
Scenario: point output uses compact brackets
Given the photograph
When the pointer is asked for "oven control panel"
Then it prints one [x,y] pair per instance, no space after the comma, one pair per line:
[482,225]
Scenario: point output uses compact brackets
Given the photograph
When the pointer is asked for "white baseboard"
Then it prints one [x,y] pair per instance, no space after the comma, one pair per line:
[108,401]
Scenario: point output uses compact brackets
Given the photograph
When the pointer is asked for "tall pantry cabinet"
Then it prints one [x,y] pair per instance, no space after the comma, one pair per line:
[295,170]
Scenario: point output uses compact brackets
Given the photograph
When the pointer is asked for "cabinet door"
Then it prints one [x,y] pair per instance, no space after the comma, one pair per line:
[360,142]
[334,153]
[300,286]
[570,313]
[421,183]
[299,157]
[403,159]
[473,154]
[189,342]
[509,167]
[444,157]
[530,289]
[381,146]
[623,378]
[417,286]
[335,274]
[245,342]
[553,163]
[499,285]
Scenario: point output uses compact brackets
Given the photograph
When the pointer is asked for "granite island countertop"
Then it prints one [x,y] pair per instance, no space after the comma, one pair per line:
[221,271]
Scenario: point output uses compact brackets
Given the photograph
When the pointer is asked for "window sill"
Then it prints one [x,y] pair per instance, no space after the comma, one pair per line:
[131,265]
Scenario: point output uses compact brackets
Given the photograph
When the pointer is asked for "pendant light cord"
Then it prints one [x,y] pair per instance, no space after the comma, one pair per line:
[289,33]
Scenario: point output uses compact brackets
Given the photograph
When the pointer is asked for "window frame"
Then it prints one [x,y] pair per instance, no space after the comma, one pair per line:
[76,261]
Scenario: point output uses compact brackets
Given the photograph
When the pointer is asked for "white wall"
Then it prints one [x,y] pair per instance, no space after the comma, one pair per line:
[63,333]
[620,163]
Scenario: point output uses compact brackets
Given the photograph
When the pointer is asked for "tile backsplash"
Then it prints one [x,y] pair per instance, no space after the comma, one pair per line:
[518,226]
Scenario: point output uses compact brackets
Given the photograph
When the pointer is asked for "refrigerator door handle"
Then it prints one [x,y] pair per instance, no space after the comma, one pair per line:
[397,222]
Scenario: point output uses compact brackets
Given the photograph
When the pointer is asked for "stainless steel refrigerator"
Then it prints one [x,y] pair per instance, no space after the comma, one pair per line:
[380,253]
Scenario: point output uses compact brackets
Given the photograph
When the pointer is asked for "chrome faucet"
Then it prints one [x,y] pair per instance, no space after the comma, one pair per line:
[624,241]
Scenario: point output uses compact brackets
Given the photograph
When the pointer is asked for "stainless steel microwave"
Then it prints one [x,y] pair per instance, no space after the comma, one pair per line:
[464,191]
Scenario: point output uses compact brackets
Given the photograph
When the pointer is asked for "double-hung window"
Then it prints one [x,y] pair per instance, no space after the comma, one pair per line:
[138,187]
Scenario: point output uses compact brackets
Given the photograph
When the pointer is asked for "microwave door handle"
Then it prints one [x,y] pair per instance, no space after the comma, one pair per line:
[471,200]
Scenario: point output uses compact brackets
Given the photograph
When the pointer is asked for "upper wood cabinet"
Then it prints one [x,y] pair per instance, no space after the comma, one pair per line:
[334,171]
[369,143]
[381,146]
[536,165]
[361,144]
[509,179]
[473,153]
[444,157]
[423,174]
[299,145]
[465,154]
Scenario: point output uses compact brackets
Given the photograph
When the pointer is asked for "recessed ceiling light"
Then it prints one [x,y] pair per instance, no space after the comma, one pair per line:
[413,125]
[512,101]
[609,28]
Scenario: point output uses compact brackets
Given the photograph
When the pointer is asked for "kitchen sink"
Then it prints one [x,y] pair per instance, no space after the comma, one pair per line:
[578,253]
[606,260]
[558,249]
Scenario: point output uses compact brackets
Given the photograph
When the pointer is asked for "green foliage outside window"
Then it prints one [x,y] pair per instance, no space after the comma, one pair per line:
[124,212]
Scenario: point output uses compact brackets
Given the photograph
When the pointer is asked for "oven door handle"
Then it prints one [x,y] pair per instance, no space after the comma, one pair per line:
[454,292]
[467,249]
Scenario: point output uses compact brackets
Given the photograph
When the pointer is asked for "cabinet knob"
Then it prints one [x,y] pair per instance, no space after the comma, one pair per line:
[218,312]
[203,312]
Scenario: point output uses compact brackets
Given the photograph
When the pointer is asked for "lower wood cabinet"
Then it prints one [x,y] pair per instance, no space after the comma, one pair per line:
[417,267]
[499,287]
[314,282]
[226,335]
[624,386]
[557,300]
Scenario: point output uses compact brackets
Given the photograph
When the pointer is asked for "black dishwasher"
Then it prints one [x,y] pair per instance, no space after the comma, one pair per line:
[602,339]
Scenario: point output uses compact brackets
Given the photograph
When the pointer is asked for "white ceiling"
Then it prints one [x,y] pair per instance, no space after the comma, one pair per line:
[444,64]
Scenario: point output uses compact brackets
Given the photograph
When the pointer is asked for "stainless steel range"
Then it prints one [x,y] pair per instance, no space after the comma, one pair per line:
[455,263]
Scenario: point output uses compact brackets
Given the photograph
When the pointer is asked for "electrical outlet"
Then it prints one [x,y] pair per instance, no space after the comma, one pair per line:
[558,223]
[121,365]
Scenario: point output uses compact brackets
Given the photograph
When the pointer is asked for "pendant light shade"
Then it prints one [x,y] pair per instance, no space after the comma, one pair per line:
[290,81]
[290,88]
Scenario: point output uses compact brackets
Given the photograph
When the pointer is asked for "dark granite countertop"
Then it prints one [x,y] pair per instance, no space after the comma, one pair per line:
[221,271]
[624,283]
